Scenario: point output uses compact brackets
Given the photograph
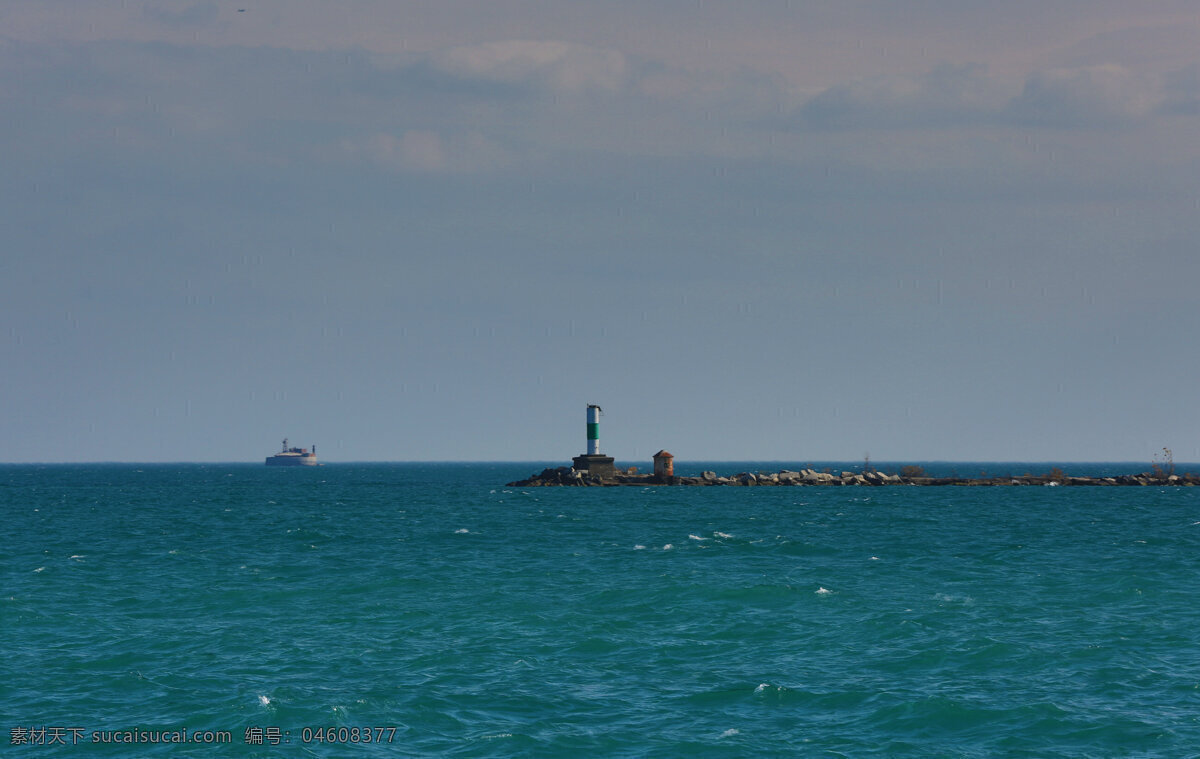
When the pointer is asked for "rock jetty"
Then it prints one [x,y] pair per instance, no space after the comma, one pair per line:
[569,477]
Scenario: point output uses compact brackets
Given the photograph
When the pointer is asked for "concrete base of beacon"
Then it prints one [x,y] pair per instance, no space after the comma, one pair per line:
[596,464]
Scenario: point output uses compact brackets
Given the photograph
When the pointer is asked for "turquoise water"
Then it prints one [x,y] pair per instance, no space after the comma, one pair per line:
[469,619]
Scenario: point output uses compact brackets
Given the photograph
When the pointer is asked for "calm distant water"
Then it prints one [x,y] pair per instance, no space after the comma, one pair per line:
[464,618]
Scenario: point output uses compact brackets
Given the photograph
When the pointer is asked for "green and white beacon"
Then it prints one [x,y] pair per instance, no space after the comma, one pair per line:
[592,462]
[593,430]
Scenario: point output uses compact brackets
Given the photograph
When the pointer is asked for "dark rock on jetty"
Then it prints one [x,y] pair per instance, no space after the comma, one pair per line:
[566,476]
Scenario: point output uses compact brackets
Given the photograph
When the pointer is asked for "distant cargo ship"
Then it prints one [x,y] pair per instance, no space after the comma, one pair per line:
[293,456]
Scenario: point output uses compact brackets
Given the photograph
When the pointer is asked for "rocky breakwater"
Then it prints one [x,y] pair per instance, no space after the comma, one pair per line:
[566,476]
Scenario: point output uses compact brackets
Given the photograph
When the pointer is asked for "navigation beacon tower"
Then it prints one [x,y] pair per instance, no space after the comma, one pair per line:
[592,462]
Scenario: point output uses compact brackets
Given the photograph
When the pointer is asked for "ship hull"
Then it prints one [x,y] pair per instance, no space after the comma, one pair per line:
[293,460]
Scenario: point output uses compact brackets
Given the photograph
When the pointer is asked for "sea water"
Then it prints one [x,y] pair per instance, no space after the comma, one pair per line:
[428,610]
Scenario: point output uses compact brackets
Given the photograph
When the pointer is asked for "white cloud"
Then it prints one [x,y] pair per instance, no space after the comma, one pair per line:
[1182,91]
[195,15]
[558,66]
[1089,96]
[954,96]
[947,95]
[429,151]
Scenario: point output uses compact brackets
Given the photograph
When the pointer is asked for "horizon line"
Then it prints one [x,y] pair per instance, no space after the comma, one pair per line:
[551,461]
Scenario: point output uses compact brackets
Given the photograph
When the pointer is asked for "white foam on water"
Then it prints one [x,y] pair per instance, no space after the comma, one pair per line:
[696,537]
[823,591]
[874,558]
[720,534]
[78,556]
[264,700]
[39,569]
[461,531]
[668,547]
[729,733]
[639,547]
[947,598]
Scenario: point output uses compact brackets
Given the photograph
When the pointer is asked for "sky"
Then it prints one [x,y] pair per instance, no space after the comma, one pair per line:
[766,230]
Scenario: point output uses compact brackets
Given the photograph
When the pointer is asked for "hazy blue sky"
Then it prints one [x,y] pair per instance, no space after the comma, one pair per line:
[936,229]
